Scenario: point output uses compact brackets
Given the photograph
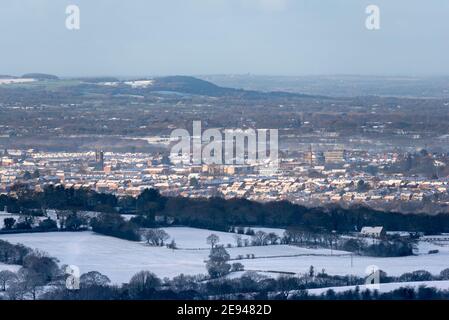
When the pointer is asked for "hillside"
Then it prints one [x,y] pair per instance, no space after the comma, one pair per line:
[40,76]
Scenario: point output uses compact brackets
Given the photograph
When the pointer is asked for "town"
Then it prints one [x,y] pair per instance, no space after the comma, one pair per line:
[312,179]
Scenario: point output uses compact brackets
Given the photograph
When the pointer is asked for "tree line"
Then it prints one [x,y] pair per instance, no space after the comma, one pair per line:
[218,213]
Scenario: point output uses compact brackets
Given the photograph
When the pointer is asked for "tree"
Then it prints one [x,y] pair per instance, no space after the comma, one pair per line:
[25,223]
[237,266]
[74,222]
[156,237]
[419,275]
[311,272]
[172,245]
[48,224]
[39,264]
[238,240]
[149,202]
[36,174]
[143,285]
[260,238]
[113,224]
[94,278]
[27,176]
[30,282]
[184,282]
[217,266]
[353,245]
[193,182]
[249,232]
[16,290]
[272,238]
[9,223]
[212,240]
[6,277]
[444,274]
[362,186]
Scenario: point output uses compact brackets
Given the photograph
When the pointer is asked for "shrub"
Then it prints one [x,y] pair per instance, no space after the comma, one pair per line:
[48,224]
[237,266]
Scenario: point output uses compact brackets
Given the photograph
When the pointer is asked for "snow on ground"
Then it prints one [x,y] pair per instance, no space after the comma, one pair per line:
[341,265]
[425,246]
[386,287]
[9,267]
[120,259]
[140,83]
[128,217]
[281,251]
[193,238]
[11,81]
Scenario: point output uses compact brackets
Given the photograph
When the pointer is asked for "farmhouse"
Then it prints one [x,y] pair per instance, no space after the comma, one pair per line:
[376,232]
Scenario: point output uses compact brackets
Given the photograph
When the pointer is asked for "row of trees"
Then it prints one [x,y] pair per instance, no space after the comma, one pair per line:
[113,224]
[68,222]
[392,247]
[146,285]
[221,214]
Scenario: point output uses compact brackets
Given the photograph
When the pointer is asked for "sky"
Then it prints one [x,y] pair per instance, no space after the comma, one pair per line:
[192,37]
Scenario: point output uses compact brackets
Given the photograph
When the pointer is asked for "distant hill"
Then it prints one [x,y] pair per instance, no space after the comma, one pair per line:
[4,76]
[187,84]
[192,85]
[40,76]
[98,79]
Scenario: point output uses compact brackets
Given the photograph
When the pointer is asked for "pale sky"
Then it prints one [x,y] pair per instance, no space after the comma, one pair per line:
[272,37]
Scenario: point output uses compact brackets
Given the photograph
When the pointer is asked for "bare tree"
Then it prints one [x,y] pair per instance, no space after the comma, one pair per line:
[156,237]
[272,238]
[94,278]
[6,277]
[143,283]
[295,236]
[212,240]
[238,240]
[30,283]
[260,238]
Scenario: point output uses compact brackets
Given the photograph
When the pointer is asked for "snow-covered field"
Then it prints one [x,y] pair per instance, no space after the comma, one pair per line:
[11,81]
[121,259]
[140,83]
[193,238]
[9,267]
[116,258]
[386,287]
[341,265]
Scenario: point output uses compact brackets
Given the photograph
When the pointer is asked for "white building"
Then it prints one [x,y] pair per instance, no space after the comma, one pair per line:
[375,232]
